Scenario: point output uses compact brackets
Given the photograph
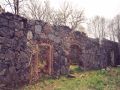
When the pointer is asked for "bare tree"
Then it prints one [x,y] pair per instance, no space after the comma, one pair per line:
[97,26]
[32,10]
[38,10]
[1,9]
[9,4]
[63,14]
[93,26]
[67,15]
[111,30]
[102,27]
[117,26]
[14,5]
[41,10]
[47,11]
[77,17]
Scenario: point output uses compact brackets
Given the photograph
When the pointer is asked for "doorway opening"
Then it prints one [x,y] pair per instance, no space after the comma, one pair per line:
[75,59]
[45,57]
[41,62]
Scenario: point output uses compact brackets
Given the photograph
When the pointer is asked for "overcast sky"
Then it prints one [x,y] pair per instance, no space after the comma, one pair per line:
[106,8]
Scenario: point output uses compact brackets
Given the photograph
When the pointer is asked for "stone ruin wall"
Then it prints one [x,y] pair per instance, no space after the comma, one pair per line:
[21,41]
[113,53]
[53,35]
[14,53]
[93,55]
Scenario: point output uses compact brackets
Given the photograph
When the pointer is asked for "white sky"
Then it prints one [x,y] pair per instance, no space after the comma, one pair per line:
[106,8]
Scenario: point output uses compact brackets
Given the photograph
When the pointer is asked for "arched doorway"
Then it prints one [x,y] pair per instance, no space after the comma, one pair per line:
[75,57]
[75,53]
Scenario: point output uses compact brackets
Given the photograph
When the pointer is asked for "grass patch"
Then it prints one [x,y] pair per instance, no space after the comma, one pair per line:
[75,69]
[89,80]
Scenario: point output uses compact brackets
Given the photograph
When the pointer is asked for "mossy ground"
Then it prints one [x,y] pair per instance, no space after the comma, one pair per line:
[84,80]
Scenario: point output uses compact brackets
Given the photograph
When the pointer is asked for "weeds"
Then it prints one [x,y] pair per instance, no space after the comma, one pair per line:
[89,80]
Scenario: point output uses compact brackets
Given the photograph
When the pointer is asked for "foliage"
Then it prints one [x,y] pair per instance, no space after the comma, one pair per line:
[89,80]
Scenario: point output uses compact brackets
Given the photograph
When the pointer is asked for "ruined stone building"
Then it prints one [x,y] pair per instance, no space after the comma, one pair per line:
[30,49]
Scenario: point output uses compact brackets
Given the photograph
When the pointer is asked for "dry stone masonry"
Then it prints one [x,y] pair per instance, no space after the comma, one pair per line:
[14,54]
[92,55]
[30,49]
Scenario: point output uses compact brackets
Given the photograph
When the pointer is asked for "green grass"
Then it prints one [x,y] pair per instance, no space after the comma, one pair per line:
[89,80]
